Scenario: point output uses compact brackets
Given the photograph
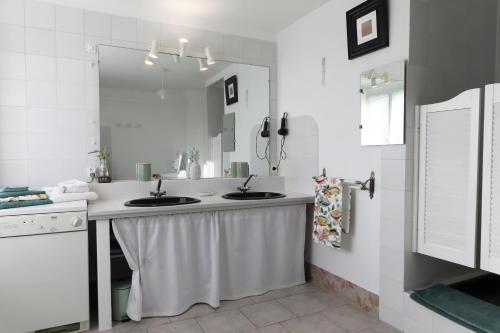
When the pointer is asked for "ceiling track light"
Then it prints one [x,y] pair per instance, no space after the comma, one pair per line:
[210,58]
[153,52]
[203,64]
[183,43]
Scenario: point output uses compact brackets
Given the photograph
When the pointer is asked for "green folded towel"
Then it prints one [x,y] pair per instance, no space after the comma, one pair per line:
[19,193]
[464,309]
[14,189]
[26,203]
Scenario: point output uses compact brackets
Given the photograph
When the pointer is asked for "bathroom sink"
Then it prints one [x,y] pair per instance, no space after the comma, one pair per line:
[163,201]
[253,195]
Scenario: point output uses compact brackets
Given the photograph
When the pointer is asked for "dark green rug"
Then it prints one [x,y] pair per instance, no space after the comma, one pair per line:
[465,310]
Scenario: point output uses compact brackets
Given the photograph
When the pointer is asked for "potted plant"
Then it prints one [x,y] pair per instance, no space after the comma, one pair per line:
[102,170]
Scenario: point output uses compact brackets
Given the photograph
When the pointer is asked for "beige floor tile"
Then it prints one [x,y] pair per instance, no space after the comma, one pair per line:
[271,295]
[266,313]
[184,326]
[303,288]
[276,328]
[196,310]
[333,300]
[237,304]
[231,321]
[316,323]
[350,318]
[140,326]
[304,304]
[381,328]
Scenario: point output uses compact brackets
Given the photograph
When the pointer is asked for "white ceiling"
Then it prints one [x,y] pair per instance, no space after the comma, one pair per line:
[252,18]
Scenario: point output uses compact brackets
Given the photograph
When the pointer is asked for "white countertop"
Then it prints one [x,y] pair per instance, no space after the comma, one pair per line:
[73,206]
[109,209]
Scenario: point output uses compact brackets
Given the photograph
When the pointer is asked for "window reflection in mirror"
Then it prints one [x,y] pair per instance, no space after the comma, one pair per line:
[157,114]
[383,105]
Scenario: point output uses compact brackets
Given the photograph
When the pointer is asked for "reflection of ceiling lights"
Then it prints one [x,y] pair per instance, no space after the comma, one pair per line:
[375,78]
[203,64]
[148,61]
[153,52]
[183,43]
[210,58]
[163,91]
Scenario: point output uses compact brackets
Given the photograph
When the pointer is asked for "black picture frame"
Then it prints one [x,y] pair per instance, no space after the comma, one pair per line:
[231,90]
[382,39]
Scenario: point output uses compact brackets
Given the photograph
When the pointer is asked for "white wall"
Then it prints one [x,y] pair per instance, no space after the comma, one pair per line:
[49,91]
[336,109]
[252,107]
[145,128]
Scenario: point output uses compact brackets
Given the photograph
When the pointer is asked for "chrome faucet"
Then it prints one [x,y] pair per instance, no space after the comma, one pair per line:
[158,194]
[244,188]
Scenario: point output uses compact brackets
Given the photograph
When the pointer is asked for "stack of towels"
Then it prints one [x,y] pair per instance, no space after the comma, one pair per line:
[14,197]
[71,190]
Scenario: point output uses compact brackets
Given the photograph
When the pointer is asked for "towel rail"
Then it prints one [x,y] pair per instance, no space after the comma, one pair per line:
[367,185]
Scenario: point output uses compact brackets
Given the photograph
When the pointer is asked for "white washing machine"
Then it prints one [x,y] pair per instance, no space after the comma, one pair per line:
[44,285]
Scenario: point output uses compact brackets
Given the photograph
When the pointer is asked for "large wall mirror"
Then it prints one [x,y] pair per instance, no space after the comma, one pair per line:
[383,105]
[158,114]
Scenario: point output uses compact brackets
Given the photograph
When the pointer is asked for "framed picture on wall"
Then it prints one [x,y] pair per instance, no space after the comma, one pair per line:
[231,88]
[367,28]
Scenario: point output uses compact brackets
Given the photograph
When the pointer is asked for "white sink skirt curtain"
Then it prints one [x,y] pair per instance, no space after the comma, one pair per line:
[180,260]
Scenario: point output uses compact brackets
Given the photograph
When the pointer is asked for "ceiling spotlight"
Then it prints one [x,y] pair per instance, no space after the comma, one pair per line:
[153,52]
[148,61]
[210,58]
[183,42]
[203,64]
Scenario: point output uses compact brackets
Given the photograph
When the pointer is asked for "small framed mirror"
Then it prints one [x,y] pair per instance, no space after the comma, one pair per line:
[383,105]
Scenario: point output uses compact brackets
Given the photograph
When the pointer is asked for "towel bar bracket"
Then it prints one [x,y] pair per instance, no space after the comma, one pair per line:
[367,185]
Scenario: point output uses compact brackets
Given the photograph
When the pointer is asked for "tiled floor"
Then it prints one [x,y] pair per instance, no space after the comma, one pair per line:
[301,309]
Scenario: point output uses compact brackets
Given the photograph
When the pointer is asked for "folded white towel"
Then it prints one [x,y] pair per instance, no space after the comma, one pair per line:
[65,197]
[57,194]
[74,186]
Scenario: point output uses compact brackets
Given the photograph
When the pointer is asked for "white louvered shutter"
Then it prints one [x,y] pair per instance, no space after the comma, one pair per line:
[490,219]
[448,176]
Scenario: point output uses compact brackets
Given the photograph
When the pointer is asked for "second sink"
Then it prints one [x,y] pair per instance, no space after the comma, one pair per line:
[163,201]
[253,195]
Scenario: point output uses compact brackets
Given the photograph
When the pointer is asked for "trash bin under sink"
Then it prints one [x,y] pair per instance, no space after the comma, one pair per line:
[120,291]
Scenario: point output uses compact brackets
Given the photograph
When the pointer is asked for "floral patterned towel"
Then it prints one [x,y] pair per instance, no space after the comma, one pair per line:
[328,212]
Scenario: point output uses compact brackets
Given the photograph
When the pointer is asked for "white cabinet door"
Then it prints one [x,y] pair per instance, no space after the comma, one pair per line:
[490,212]
[448,178]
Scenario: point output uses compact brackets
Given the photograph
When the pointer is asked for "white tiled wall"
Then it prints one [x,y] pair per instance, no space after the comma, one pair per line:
[49,96]
[394,193]
[419,319]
